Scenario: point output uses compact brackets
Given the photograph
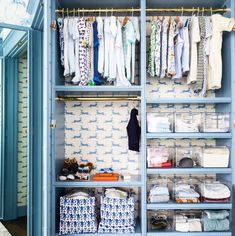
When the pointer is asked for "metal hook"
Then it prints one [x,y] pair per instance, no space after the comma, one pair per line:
[132,11]
[106,12]
[78,12]
[73,12]
[112,12]
[63,13]
[203,11]
[83,12]
[198,11]
[211,10]
[67,12]
[193,11]
[99,12]
[182,12]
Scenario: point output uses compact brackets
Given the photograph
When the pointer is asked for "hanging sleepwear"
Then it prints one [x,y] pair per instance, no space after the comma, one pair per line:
[185,52]
[194,40]
[171,52]
[121,77]
[77,77]
[83,51]
[158,48]
[135,22]
[164,48]
[66,45]
[152,46]
[112,56]
[96,78]
[88,48]
[100,29]
[107,35]
[219,24]
[91,51]
[71,46]
[60,23]
[201,55]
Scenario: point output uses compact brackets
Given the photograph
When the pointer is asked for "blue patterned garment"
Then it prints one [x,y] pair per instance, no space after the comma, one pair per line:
[77,216]
[117,215]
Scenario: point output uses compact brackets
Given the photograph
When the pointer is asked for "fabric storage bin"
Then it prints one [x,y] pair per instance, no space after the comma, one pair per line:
[188,157]
[160,220]
[187,122]
[216,220]
[160,122]
[185,191]
[188,221]
[77,215]
[160,157]
[214,191]
[117,215]
[216,122]
[215,157]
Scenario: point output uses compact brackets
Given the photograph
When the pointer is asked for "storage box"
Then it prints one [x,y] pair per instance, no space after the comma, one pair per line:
[77,215]
[160,122]
[187,122]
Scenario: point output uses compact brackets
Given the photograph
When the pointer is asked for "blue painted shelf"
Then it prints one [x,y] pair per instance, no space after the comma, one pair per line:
[189,233]
[188,135]
[151,171]
[178,206]
[190,100]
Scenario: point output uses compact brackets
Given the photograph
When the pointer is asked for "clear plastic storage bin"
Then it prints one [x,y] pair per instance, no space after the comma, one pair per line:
[188,157]
[188,221]
[160,157]
[215,157]
[160,122]
[187,122]
[215,122]
[160,220]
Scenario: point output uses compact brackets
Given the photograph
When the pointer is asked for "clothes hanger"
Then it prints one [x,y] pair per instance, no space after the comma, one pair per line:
[193,11]
[198,11]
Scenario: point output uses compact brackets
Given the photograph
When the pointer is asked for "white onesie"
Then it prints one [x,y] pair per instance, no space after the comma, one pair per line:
[100,29]
[107,36]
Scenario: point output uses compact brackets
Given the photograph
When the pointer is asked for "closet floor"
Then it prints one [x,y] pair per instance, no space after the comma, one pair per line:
[17,227]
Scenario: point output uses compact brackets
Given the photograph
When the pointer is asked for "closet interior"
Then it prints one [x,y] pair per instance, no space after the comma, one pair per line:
[169,178]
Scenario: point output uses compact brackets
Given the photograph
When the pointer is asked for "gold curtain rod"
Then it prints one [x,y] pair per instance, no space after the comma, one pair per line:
[130,98]
[99,10]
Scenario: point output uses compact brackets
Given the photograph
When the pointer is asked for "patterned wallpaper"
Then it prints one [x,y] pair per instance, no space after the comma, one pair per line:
[96,132]
[22,131]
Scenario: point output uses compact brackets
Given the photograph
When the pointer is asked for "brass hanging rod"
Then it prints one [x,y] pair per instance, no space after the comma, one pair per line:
[105,98]
[100,10]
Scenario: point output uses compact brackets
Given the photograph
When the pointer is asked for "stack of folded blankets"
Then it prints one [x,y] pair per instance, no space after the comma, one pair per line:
[185,193]
[159,194]
[184,223]
[158,123]
[117,213]
[215,191]
[216,220]
[159,157]
[215,157]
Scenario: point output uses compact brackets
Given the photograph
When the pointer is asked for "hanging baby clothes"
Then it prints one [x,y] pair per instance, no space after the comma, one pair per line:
[164,48]
[185,50]
[107,35]
[71,46]
[83,51]
[96,78]
[100,30]
[121,77]
[158,47]
[171,52]
[194,40]
[90,50]
[151,58]
[179,42]
[201,55]
[112,55]
[133,131]
[128,40]
[77,76]
[60,23]
[219,24]
[66,45]
[135,22]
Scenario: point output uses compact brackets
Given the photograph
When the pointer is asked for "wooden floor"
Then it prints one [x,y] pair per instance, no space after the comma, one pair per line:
[17,227]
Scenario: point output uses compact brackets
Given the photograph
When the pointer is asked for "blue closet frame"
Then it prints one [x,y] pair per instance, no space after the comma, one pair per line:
[52,85]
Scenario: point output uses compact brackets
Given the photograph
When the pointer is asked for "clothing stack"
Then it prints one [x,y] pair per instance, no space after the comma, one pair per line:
[159,157]
[190,47]
[216,220]
[215,157]
[183,223]
[215,191]
[77,213]
[159,194]
[93,50]
[185,193]
[117,213]
[157,122]
[187,122]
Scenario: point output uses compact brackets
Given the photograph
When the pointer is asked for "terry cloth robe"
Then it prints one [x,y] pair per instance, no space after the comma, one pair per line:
[133,131]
